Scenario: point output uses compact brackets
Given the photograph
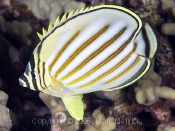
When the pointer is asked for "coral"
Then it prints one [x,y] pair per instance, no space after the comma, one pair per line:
[160,112]
[10,61]
[38,111]
[53,103]
[55,126]
[44,9]
[166,62]
[166,127]
[3,98]
[109,95]
[61,120]
[59,113]
[169,27]
[5,121]
[101,123]
[173,10]
[149,89]
[17,30]
[57,110]
[101,2]
[4,3]
[149,10]
[167,4]
[14,55]
[73,5]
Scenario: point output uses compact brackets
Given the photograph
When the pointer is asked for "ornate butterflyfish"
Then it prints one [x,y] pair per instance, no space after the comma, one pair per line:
[104,47]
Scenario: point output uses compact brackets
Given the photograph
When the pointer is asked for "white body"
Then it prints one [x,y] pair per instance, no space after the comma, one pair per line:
[89,24]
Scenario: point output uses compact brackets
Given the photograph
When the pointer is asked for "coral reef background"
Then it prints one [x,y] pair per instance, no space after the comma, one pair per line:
[148,105]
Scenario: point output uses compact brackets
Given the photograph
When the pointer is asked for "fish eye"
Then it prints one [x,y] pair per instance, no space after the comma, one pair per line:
[34,74]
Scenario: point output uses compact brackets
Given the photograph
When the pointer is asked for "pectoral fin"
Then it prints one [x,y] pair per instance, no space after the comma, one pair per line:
[74,105]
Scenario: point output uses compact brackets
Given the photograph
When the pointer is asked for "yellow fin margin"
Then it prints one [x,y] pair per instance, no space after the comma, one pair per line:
[57,21]
[39,35]
[43,31]
[86,9]
[49,27]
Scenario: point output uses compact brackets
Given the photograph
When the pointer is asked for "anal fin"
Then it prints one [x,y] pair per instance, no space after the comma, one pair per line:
[74,105]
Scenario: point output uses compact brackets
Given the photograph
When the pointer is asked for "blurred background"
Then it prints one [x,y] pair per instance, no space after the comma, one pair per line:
[22,109]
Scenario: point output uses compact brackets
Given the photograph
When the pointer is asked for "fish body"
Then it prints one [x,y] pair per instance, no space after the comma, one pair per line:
[97,48]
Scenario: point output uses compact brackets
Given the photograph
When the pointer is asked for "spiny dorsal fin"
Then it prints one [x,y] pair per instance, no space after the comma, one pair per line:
[87,8]
[60,20]
[57,21]
[70,14]
[81,10]
[92,7]
[76,12]
[49,27]
[39,35]
[64,17]
[43,31]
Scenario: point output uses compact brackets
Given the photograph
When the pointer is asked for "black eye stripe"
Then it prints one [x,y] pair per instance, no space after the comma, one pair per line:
[34,84]
[33,75]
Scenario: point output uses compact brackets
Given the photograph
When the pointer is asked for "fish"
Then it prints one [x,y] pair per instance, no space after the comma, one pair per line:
[98,48]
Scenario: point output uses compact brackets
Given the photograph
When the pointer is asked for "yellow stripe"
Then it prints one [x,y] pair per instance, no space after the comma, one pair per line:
[44,72]
[108,43]
[146,69]
[111,70]
[124,72]
[40,71]
[84,45]
[101,64]
[63,48]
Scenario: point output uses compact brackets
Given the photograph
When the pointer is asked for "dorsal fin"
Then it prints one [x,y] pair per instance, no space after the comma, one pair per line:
[76,12]
[49,27]
[66,16]
[87,8]
[57,21]
[39,35]
[43,31]
[70,14]
[81,10]
[61,20]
